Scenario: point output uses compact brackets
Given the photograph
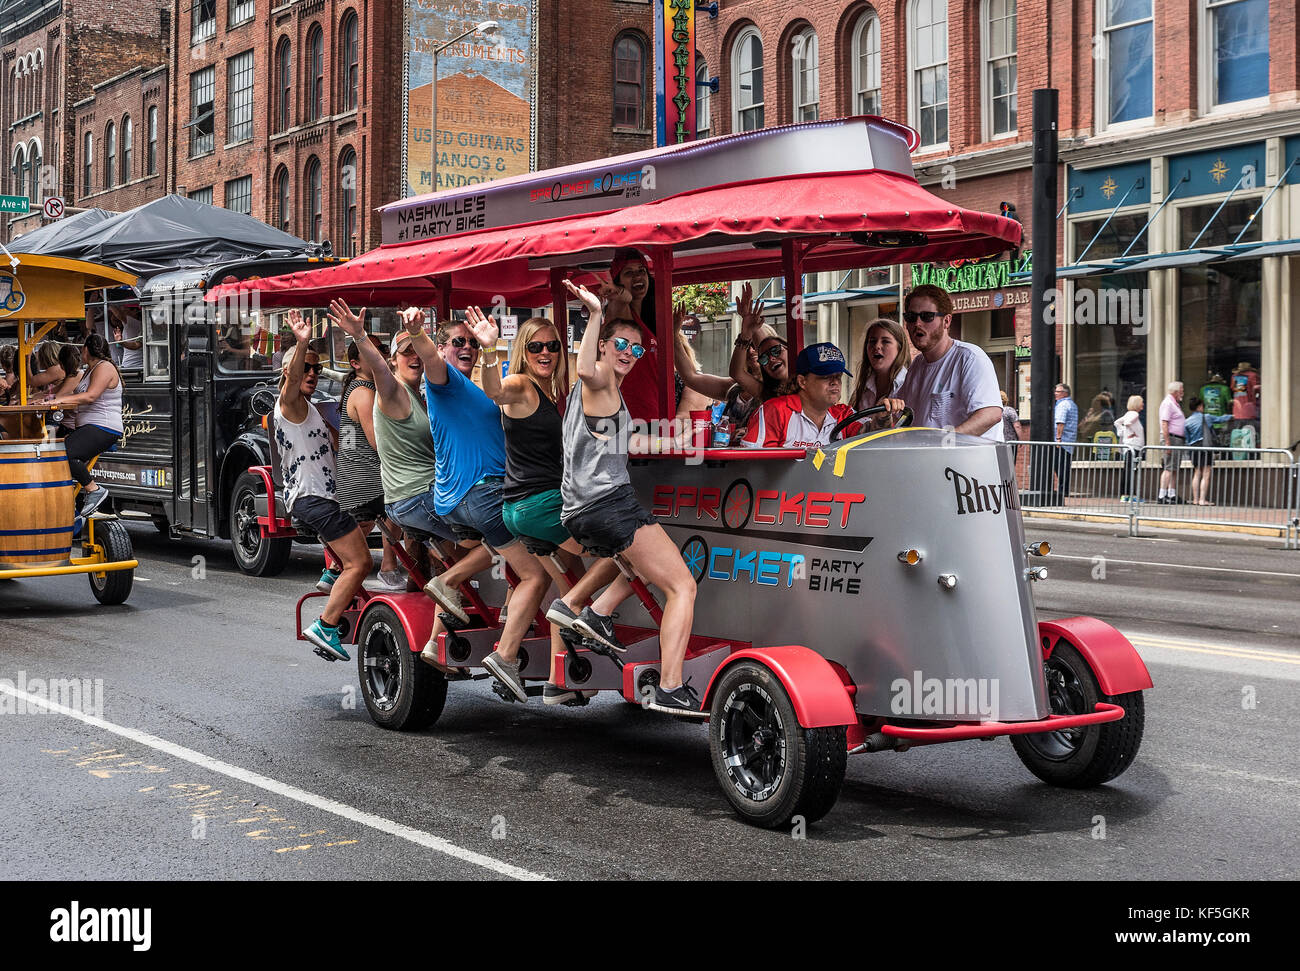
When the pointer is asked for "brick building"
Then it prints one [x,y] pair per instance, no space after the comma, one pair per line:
[123,156]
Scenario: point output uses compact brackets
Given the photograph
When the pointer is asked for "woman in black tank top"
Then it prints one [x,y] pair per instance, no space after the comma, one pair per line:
[530,397]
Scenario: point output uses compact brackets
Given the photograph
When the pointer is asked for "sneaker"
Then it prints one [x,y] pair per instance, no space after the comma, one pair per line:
[599,629]
[507,672]
[680,701]
[327,642]
[560,614]
[78,525]
[552,695]
[93,501]
[447,598]
[388,581]
[326,582]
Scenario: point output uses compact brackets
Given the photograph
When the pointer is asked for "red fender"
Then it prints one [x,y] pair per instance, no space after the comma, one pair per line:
[416,612]
[1112,658]
[820,696]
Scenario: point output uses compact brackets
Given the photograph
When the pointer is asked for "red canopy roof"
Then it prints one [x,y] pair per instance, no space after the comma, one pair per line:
[720,233]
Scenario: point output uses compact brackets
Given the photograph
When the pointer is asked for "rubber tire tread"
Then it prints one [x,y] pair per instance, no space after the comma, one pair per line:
[116,586]
[424,688]
[272,554]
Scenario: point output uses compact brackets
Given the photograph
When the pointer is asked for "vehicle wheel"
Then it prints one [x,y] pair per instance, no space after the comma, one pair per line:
[255,554]
[771,768]
[401,691]
[1077,758]
[114,587]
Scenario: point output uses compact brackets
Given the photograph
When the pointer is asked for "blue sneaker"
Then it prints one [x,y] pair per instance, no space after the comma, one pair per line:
[78,525]
[326,582]
[327,641]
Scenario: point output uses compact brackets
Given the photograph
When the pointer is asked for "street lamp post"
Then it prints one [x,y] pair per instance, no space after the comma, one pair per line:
[488,27]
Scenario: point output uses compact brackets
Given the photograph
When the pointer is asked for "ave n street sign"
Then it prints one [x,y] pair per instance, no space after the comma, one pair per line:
[18,205]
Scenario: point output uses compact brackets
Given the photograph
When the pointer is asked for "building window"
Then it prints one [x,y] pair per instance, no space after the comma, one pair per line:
[110,156]
[239,97]
[1235,50]
[804,73]
[315,74]
[88,164]
[239,195]
[128,135]
[283,85]
[202,195]
[629,82]
[203,20]
[348,208]
[151,152]
[703,96]
[747,85]
[1127,93]
[314,200]
[1000,67]
[866,65]
[282,199]
[238,11]
[202,122]
[929,87]
[36,184]
[20,171]
[350,62]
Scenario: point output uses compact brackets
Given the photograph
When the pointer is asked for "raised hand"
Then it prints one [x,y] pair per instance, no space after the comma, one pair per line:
[354,325]
[750,317]
[679,316]
[588,299]
[412,319]
[483,327]
[300,326]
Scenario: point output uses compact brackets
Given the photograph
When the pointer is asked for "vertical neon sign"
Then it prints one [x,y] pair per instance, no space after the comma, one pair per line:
[677,41]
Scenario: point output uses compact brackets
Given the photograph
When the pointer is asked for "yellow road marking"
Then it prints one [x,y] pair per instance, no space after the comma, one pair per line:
[1243,653]
[341,843]
[291,849]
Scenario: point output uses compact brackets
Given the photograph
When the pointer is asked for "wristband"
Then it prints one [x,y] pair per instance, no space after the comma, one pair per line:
[743,342]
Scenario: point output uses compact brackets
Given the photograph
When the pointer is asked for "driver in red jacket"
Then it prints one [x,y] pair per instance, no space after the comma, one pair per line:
[805,419]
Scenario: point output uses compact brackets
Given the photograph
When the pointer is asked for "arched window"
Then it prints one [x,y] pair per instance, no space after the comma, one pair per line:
[928,48]
[20,171]
[151,153]
[315,74]
[703,96]
[110,156]
[314,200]
[629,82]
[57,75]
[345,244]
[36,186]
[283,85]
[804,74]
[866,64]
[282,199]
[747,81]
[88,164]
[349,52]
[999,36]
[128,136]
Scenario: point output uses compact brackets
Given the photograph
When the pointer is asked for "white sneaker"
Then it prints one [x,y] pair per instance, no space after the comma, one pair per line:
[388,581]
[447,598]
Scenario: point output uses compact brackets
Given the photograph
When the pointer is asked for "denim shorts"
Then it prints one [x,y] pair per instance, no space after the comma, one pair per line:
[536,521]
[479,514]
[607,527]
[416,513]
[324,517]
[368,511]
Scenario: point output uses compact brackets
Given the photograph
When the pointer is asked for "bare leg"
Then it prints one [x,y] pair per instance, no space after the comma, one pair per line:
[655,557]
[601,574]
[354,557]
[525,600]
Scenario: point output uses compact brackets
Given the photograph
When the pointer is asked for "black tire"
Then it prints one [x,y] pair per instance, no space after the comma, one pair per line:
[255,554]
[401,691]
[115,586]
[790,771]
[1080,758]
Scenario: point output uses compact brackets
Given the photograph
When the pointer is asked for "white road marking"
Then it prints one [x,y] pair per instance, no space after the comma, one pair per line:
[419,837]
[1174,566]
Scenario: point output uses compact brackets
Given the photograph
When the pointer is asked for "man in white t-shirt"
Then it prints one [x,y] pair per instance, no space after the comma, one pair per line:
[950,384]
[126,336]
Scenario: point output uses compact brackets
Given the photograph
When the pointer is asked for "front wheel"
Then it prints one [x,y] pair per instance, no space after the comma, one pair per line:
[401,691]
[255,554]
[770,767]
[115,586]
[1078,758]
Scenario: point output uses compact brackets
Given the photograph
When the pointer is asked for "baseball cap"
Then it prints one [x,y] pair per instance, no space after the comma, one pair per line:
[821,359]
[622,257]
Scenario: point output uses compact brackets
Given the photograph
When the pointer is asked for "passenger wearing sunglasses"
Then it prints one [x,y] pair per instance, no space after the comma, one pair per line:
[601,508]
[740,404]
[807,418]
[759,346]
[306,447]
[950,383]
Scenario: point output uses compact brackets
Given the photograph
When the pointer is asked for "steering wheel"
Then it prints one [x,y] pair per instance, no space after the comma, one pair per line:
[904,420]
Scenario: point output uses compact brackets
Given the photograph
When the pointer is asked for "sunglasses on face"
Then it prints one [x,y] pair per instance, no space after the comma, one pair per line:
[773,353]
[621,344]
[312,368]
[536,347]
[912,316]
[459,342]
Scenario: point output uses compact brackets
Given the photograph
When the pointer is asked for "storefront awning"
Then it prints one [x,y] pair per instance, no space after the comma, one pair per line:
[867,293]
[1258,251]
[1081,270]
[1179,260]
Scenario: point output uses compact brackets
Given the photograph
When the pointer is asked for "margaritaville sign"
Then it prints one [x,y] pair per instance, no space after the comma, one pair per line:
[971,277]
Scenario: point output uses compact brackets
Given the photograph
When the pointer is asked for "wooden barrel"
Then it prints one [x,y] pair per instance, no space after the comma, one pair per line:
[36,505]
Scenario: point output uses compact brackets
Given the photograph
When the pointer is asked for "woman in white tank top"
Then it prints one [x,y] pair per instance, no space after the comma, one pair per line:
[98,400]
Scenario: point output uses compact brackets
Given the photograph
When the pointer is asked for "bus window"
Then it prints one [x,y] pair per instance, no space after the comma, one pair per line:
[126,334]
[250,341]
[155,342]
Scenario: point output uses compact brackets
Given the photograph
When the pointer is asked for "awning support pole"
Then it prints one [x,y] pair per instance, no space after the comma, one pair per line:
[663,325]
[1075,192]
[1210,222]
[792,270]
[1254,214]
[1169,198]
[1137,184]
[560,306]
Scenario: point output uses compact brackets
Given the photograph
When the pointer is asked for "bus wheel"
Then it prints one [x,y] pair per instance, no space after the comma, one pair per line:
[255,554]
[401,692]
[771,769]
[114,587]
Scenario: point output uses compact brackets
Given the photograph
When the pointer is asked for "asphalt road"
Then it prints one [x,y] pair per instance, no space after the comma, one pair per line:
[225,749]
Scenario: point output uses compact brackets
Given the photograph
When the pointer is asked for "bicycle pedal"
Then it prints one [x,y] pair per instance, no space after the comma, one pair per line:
[502,692]
[453,623]
[321,652]
[579,702]
[596,647]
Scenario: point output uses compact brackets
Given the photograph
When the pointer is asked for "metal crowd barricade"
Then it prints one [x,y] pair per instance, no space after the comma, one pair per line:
[1255,490]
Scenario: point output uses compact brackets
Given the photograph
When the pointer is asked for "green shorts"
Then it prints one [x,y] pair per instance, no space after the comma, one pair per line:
[536,521]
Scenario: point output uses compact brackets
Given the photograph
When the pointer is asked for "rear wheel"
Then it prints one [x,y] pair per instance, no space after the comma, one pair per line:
[1077,758]
[255,554]
[771,769]
[115,586]
[401,691]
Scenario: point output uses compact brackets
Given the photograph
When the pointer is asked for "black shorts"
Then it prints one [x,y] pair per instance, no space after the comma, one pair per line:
[607,527]
[367,512]
[1202,458]
[324,517]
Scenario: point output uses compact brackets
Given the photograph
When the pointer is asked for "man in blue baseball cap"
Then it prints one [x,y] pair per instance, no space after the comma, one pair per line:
[805,419]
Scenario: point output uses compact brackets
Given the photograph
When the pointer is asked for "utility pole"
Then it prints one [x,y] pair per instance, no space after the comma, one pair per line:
[1042,355]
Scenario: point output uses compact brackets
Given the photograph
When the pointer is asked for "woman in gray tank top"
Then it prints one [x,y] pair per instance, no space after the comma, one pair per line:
[601,509]
[98,400]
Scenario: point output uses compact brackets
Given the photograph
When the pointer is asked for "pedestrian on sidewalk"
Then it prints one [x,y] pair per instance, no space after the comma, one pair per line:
[1066,418]
[1134,437]
[1199,433]
[1173,425]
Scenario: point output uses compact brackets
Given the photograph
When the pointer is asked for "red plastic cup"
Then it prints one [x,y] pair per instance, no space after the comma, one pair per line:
[703,425]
